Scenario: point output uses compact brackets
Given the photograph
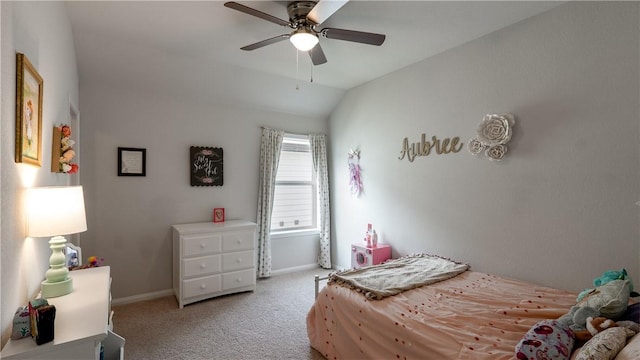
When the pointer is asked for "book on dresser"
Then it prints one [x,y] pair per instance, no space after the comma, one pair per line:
[213,259]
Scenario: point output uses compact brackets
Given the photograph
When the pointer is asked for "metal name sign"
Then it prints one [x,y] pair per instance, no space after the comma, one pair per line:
[424,147]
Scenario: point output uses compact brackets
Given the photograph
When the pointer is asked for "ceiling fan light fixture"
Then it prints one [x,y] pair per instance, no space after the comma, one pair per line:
[304,39]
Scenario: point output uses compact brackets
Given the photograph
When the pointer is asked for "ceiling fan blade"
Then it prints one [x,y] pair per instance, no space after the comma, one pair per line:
[257,13]
[324,9]
[317,55]
[266,42]
[352,35]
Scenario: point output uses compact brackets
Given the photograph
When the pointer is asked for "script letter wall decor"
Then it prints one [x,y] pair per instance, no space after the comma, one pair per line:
[206,166]
[426,147]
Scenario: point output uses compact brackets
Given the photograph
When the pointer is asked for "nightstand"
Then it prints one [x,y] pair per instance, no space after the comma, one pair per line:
[82,325]
[361,255]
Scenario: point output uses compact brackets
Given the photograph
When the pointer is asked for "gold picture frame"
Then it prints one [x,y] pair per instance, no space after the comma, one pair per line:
[28,112]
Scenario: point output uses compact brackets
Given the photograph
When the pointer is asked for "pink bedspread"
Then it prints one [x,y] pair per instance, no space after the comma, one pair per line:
[472,316]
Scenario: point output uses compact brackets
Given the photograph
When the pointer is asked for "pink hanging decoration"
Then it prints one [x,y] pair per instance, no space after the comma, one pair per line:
[355,183]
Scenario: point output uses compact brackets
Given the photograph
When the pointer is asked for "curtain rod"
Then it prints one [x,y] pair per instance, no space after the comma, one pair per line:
[288,133]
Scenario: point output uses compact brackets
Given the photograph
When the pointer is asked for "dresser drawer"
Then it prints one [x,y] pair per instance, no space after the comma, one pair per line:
[238,241]
[202,244]
[238,279]
[237,260]
[202,266]
[202,286]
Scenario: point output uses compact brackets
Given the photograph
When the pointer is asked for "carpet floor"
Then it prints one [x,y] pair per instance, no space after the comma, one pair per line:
[269,323]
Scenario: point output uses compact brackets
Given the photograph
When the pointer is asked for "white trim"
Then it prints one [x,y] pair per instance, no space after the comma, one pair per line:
[142,297]
[168,292]
[295,233]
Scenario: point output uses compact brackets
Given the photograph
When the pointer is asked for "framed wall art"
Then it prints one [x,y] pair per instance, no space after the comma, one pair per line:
[206,166]
[218,215]
[132,161]
[28,112]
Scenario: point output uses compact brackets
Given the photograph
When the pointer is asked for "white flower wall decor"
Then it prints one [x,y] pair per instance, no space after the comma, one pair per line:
[494,132]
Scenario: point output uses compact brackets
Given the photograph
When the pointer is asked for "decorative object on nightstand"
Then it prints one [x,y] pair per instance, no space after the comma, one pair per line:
[42,316]
[55,211]
[362,255]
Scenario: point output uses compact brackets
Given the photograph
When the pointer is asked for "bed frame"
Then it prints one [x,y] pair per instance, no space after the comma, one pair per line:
[317,280]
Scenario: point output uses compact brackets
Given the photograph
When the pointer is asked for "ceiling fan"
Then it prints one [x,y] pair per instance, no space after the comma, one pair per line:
[304,18]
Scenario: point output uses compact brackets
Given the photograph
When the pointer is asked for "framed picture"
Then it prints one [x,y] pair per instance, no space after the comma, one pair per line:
[206,166]
[28,112]
[218,215]
[73,255]
[132,161]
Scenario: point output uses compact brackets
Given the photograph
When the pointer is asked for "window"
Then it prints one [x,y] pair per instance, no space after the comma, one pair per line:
[295,196]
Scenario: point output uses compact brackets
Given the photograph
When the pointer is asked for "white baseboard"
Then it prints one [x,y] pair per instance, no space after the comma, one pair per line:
[142,297]
[294,269]
[168,292]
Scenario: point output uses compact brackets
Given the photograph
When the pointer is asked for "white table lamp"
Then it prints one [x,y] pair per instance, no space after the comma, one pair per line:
[56,211]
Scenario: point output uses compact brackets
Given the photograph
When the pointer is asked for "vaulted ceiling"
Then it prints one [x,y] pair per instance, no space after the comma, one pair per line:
[193,48]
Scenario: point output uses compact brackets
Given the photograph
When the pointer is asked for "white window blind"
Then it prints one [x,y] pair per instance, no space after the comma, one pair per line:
[294,202]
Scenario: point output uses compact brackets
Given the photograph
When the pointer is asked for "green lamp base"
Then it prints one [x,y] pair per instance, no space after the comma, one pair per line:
[55,289]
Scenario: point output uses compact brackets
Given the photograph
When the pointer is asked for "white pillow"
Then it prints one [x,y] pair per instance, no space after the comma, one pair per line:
[631,351]
[605,345]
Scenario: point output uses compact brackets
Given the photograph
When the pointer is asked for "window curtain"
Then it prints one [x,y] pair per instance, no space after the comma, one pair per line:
[270,146]
[319,154]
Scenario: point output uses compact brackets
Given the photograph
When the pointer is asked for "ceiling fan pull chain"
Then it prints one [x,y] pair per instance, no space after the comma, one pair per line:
[297,70]
[311,74]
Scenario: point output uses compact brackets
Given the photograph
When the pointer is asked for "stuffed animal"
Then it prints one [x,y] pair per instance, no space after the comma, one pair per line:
[606,277]
[577,316]
[594,326]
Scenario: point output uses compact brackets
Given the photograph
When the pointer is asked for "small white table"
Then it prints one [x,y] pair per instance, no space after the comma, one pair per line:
[81,323]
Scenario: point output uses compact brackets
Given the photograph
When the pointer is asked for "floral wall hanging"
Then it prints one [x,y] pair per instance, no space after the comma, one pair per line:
[355,182]
[494,132]
[62,151]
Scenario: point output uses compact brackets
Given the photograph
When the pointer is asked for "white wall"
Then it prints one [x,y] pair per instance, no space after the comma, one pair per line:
[130,218]
[560,209]
[42,32]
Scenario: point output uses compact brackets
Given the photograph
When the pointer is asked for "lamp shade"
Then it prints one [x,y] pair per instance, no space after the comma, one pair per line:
[55,210]
[303,39]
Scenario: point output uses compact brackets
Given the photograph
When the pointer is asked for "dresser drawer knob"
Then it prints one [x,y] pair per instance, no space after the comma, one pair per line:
[203,266]
[239,260]
[203,286]
[239,241]
[203,245]
[239,279]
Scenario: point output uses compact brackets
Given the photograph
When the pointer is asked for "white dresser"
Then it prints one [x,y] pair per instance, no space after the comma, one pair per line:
[82,324]
[213,259]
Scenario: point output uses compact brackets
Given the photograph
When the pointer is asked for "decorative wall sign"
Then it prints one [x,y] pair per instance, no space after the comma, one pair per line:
[424,147]
[28,112]
[494,132]
[132,162]
[355,182]
[206,166]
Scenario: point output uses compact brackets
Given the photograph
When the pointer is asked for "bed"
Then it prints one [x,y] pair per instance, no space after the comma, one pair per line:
[471,315]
